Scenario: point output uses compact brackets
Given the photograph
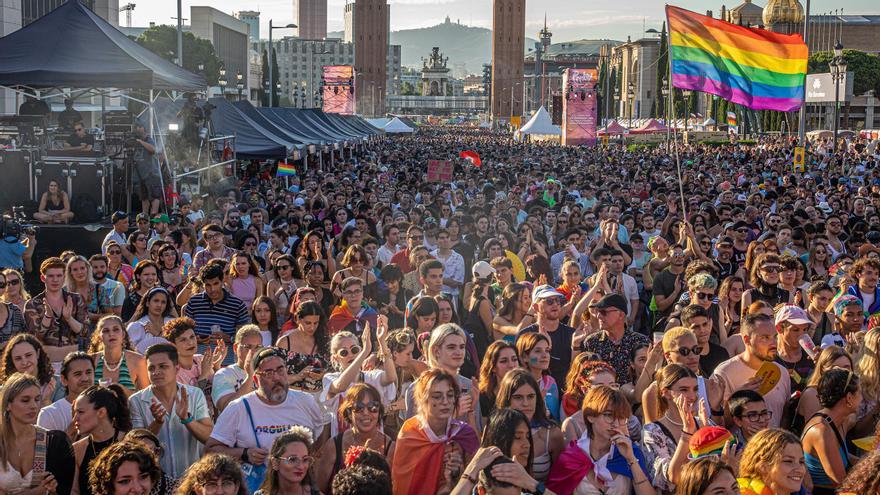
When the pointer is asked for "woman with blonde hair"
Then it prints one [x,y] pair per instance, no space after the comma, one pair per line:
[111,344]
[290,465]
[213,473]
[772,462]
[45,456]
[868,369]
[15,292]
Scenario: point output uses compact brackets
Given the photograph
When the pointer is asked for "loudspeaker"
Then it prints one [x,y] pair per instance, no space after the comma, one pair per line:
[16,188]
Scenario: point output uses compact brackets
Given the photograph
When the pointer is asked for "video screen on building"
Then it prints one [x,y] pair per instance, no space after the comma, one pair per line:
[338,87]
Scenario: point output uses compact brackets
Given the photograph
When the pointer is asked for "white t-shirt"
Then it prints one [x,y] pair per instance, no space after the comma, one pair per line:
[234,428]
[371,377]
[227,380]
[56,416]
[734,372]
[140,339]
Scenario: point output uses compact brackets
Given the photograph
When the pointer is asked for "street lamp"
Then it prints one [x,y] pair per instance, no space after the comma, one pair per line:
[269,55]
[664,90]
[687,106]
[239,84]
[222,81]
[630,101]
[616,99]
[838,73]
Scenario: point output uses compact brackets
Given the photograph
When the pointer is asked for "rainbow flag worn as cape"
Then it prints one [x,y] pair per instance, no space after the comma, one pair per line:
[419,470]
[285,169]
[753,67]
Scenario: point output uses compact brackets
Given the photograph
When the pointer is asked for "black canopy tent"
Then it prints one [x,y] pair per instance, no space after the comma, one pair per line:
[252,141]
[249,111]
[74,47]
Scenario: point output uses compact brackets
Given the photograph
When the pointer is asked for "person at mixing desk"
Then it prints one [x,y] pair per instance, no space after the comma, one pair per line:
[79,140]
[69,117]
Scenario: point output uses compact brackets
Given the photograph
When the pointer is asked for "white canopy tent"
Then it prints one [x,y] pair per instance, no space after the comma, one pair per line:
[540,126]
[397,126]
[379,123]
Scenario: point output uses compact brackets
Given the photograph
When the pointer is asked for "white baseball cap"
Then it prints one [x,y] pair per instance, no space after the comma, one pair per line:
[482,269]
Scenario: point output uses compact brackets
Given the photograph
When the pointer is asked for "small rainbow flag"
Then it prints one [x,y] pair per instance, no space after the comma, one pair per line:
[731,118]
[753,67]
[285,169]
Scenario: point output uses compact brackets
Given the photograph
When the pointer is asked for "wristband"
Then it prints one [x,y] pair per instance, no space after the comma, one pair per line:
[189,419]
[539,488]
[469,478]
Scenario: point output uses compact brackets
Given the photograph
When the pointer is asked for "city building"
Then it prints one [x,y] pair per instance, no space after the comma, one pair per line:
[636,64]
[744,14]
[473,84]
[784,16]
[229,36]
[370,28]
[438,105]
[31,10]
[301,65]
[252,19]
[311,18]
[508,45]
[435,74]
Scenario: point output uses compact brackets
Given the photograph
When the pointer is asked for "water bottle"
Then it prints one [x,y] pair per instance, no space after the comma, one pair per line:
[808,346]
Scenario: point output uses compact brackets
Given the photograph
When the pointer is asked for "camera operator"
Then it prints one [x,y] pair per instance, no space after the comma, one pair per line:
[192,117]
[17,245]
[146,170]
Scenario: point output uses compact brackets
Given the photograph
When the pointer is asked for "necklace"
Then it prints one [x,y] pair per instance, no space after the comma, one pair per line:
[676,423]
[108,367]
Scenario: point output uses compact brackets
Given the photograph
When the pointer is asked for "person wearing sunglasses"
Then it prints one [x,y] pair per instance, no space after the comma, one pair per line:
[615,341]
[764,278]
[10,314]
[348,355]
[547,306]
[80,140]
[363,410]
[680,346]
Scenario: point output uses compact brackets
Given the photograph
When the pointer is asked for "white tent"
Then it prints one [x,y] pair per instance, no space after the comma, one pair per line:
[396,126]
[540,125]
[379,123]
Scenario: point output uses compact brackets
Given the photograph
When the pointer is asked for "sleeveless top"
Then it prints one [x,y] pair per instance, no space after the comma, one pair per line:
[814,465]
[11,480]
[52,205]
[92,451]
[245,289]
[541,463]
[124,375]
[338,462]
[296,362]
[473,324]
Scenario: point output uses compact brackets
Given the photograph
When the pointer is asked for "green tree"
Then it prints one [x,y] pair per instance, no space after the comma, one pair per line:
[662,72]
[162,40]
[864,66]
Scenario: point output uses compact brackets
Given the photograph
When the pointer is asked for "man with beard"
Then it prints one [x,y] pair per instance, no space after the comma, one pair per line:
[727,267]
[176,413]
[741,371]
[248,426]
[669,283]
[232,223]
[113,291]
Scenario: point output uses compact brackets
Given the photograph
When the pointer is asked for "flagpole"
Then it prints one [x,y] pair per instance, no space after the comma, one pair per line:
[672,111]
[802,117]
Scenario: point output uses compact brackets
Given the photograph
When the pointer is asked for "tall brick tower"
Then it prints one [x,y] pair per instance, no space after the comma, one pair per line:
[370,20]
[508,48]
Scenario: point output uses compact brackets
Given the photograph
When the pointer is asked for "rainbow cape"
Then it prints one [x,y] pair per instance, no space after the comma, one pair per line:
[418,470]
[756,68]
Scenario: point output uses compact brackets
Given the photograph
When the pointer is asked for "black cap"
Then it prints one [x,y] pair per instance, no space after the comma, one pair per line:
[740,224]
[611,301]
[725,240]
[266,353]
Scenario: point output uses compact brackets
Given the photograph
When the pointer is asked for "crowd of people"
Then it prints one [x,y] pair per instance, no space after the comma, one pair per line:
[559,320]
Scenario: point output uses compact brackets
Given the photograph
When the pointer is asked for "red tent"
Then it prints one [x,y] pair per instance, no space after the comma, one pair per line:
[613,128]
[650,126]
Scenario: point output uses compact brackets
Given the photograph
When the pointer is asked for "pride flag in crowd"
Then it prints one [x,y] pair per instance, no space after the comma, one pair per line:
[285,169]
[756,68]
[731,118]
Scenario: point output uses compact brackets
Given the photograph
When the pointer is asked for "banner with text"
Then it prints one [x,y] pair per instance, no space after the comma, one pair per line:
[439,171]
[579,107]
[338,89]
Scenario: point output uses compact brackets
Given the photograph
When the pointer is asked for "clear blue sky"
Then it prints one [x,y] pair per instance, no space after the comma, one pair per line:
[567,19]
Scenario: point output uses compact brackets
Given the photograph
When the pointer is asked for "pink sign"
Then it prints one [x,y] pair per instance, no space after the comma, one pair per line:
[579,107]
[439,171]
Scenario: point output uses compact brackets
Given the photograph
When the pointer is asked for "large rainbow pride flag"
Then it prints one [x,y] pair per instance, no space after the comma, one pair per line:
[756,68]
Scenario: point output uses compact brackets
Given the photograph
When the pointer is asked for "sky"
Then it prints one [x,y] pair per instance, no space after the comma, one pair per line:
[567,19]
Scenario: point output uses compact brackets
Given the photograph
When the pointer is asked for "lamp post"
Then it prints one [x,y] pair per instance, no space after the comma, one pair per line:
[239,84]
[512,93]
[687,106]
[269,55]
[616,99]
[664,90]
[715,111]
[838,73]
[630,101]
[222,81]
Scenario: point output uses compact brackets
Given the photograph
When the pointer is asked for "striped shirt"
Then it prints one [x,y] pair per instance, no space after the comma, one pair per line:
[229,313]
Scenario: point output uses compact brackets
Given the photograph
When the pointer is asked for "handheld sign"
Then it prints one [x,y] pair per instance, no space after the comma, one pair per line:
[770,375]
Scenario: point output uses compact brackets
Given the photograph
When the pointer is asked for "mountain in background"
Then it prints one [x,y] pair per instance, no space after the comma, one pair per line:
[462,44]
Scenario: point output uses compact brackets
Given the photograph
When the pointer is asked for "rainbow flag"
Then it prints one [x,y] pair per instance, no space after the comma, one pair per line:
[731,118]
[753,67]
[285,169]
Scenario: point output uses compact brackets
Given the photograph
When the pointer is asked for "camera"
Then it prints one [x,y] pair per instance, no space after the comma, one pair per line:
[15,225]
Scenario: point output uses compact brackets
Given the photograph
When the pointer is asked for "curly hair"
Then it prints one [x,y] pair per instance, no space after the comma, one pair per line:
[44,365]
[102,475]
[361,480]
[209,468]
[764,450]
[177,327]
[864,477]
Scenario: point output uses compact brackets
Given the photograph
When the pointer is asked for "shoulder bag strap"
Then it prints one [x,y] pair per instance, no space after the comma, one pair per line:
[40,450]
[251,419]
